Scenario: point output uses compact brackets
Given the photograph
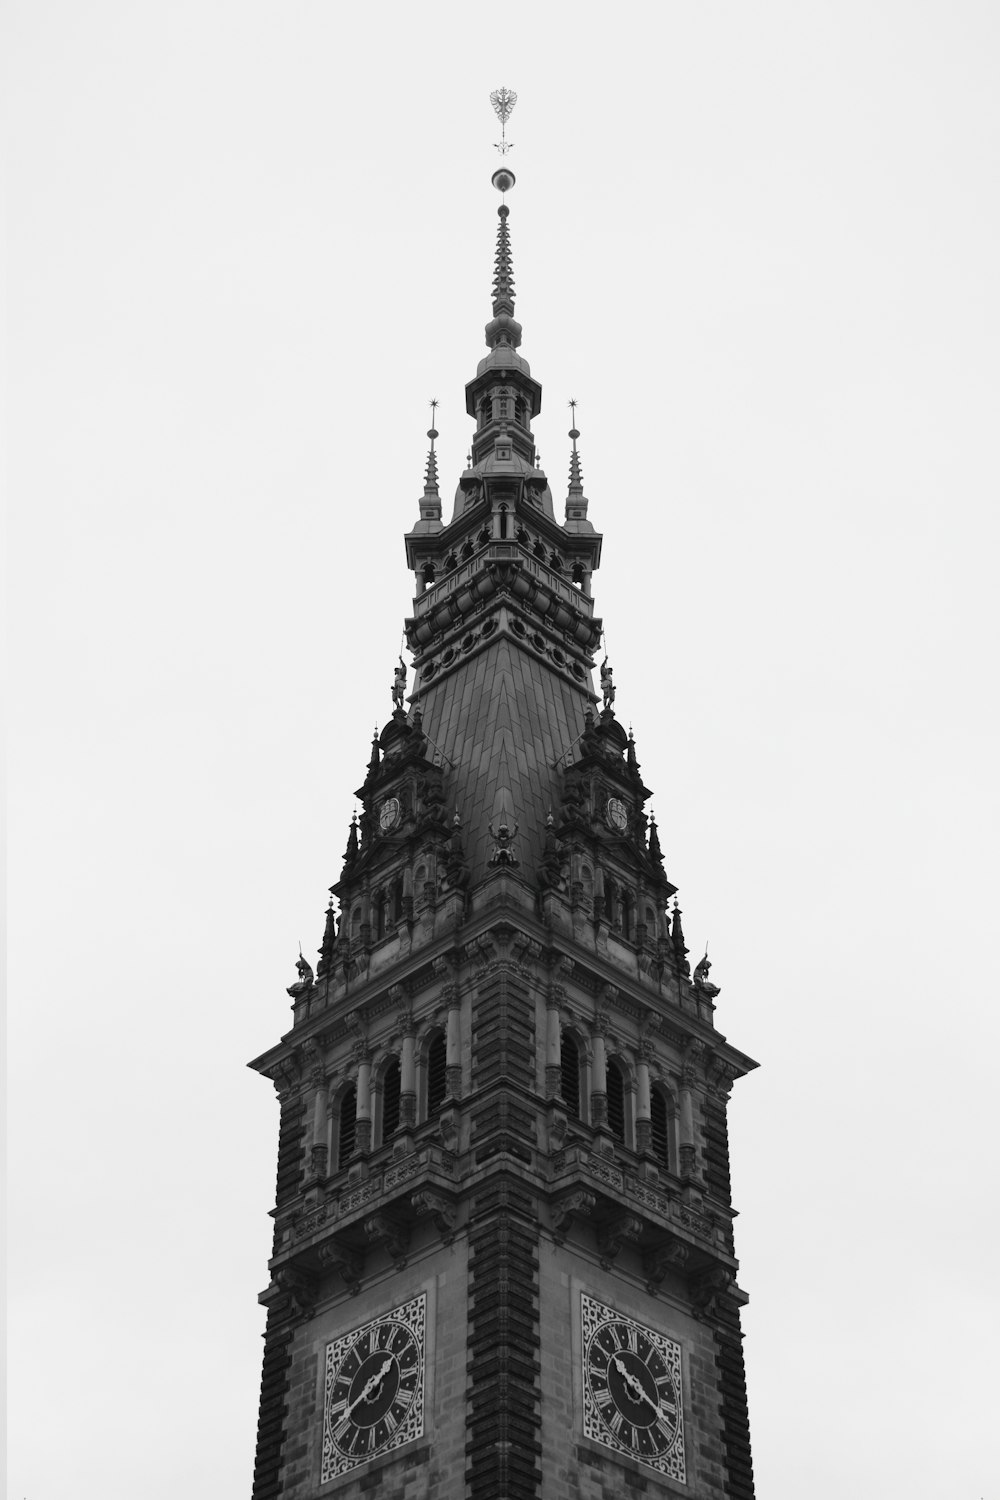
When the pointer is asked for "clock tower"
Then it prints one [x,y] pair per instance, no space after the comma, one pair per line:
[503,1263]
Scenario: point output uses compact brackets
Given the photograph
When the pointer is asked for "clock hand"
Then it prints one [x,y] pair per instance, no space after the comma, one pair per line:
[370,1386]
[630,1380]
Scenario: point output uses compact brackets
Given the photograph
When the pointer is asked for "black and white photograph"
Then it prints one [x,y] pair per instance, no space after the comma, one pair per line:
[502,532]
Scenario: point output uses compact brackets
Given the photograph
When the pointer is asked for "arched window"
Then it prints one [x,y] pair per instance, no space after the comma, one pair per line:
[437,1076]
[356,921]
[660,1123]
[428,574]
[484,538]
[451,561]
[503,523]
[569,1062]
[348,1126]
[390,1099]
[467,551]
[616,1099]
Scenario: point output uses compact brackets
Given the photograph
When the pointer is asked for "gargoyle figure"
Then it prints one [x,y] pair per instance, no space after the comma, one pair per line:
[503,844]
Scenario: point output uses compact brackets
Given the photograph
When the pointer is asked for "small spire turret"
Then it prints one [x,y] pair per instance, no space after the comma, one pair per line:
[430,500]
[576,500]
[431,475]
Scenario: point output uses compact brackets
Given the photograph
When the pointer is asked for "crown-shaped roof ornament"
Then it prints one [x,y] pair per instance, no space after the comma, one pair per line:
[503,101]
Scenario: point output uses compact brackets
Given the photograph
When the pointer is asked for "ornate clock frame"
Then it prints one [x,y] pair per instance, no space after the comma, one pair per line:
[374,1388]
[633,1388]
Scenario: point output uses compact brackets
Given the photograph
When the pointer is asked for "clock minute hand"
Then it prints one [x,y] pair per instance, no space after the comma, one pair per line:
[636,1385]
[370,1387]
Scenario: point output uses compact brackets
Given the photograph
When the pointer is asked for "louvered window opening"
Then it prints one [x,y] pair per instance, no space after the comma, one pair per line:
[390,1100]
[437,1076]
[616,1101]
[347,1134]
[570,1084]
[658,1122]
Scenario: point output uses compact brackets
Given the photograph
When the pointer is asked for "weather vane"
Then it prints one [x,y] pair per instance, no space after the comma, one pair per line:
[503,101]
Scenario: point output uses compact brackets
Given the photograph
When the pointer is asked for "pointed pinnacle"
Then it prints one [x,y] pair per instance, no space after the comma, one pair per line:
[431,475]
[503,275]
[575,469]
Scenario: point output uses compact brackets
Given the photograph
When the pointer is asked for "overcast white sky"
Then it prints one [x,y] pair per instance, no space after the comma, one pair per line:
[759,244]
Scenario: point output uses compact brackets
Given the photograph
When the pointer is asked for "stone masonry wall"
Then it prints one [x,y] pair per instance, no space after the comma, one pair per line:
[431,1466]
[576,1468]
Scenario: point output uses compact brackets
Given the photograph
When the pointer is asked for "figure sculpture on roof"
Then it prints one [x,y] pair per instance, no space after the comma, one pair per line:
[503,844]
[399,684]
[305,979]
[701,979]
[607,684]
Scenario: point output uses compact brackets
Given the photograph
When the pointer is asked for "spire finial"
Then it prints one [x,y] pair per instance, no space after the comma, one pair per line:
[431,477]
[503,101]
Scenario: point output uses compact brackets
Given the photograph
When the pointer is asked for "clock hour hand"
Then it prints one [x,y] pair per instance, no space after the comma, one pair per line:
[370,1387]
[641,1395]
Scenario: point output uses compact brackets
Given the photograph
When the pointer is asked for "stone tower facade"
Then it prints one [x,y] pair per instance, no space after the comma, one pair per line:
[503,1263]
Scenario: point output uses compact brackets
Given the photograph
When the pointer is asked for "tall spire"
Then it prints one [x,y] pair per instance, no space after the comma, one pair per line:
[503,275]
[504,329]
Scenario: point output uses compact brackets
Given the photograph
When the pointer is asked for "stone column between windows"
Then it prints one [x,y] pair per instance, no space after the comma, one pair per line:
[363,1111]
[553,1042]
[320,1152]
[453,1042]
[643,1113]
[690,1081]
[687,1131]
[599,1073]
[408,1071]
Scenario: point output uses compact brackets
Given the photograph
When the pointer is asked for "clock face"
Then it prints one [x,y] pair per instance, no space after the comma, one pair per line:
[617,814]
[388,815]
[374,1399]
[632,1396]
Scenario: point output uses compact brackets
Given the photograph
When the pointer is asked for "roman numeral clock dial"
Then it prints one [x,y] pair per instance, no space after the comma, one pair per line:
[632,1394]
[374,1389]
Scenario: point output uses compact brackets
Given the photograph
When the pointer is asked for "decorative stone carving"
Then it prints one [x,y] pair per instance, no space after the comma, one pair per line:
[672,1255]
[299,1287]
[384,1229]
[614,1233]
[576,1205]
[708,1288]
[504,851]
[440,1209]
[285,1077]
[345,1259]
[701,979]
